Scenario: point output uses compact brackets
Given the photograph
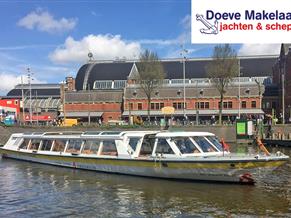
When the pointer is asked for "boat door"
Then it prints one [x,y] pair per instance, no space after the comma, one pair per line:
[147,145]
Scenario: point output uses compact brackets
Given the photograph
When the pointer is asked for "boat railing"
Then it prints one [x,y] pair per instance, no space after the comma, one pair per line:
[63,133]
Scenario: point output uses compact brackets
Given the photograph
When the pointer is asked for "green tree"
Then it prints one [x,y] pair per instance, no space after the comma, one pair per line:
[222,69]
[150,74]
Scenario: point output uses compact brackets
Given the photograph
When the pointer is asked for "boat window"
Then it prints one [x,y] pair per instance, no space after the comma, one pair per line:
[204,144]
[91,133]
[215,141]
[34,145]
[91,147]
[24,144]
[46,145]
[163,147]
[111,133]
[74,146]
[17,140]
[109,148]
[133,142]
[147,145]
[59,145]
[185,145]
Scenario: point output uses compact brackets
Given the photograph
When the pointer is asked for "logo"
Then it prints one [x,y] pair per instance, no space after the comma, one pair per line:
[248,21]
[211,29]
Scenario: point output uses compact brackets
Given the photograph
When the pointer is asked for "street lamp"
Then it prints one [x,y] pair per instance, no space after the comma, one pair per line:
[183,54]
[22,96]
[89,105]
[283,93]
[238,88]
[29,77]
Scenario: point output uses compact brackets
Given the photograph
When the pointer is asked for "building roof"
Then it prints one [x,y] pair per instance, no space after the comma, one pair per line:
[195,68]
[94,96]
[176,92]
[89,73]
[37,90]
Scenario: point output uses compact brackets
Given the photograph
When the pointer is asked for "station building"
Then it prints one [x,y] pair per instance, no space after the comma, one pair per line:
[43,102]
[107,90]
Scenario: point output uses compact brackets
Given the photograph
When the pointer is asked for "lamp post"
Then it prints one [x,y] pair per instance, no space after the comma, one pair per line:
[183,54]
[283,93]
[22,96]
[89,105]
[238,88]
[29,77]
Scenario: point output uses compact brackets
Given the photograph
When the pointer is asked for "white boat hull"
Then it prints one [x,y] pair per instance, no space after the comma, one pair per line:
[245,171]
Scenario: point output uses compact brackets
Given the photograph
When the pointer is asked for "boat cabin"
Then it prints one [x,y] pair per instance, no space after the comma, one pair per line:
[118,144]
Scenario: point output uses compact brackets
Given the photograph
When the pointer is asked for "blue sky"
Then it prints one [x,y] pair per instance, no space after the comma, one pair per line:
[53,38]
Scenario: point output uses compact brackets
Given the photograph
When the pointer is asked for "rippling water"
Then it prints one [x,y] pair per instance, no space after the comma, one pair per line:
[29,189]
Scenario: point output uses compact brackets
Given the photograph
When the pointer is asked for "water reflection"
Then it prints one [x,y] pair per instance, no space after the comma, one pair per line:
[37,190]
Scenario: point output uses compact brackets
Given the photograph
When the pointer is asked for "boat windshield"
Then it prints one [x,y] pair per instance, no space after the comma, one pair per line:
[133,142]
[185,145]
[204,144]
[215,141]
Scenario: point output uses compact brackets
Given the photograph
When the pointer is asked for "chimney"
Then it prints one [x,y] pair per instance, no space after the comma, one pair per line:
[70,82]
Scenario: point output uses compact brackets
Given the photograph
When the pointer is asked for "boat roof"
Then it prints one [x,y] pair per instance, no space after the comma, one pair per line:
[183,134]
[110,134]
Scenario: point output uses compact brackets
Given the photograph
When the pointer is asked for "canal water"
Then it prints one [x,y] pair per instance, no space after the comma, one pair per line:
[35,190]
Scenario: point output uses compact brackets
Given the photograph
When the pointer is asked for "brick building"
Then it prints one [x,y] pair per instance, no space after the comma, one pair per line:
[104,90]
[282,81]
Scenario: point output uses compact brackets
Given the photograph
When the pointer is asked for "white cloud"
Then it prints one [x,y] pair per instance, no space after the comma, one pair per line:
[45,22]
[183,38]
[259,49]
[11,80]
[103,47]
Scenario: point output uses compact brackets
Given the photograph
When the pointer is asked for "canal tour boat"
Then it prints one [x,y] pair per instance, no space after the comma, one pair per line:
[170,155]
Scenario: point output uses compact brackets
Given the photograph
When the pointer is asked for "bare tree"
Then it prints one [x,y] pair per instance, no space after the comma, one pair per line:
[150,75]
[221,70]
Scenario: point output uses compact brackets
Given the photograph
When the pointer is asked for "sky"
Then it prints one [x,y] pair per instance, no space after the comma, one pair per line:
[53,38]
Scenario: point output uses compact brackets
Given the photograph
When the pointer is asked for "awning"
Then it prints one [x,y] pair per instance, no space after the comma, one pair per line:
[84,114]
[193,112]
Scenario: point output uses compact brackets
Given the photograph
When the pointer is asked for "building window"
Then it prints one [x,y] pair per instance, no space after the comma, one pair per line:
[157,106]
[202,105]
[178,105]
[274,105]
[254,104]
[102,84]
[227,104]
[243,104]
[131,106]
[206,105]
[139,106]
[267,104]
